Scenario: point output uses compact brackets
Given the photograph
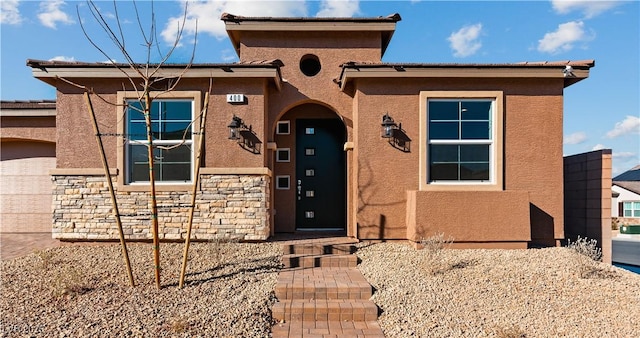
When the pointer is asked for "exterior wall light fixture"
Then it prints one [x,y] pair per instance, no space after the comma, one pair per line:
[246,138]
[234,128]
[388,126]
[394,134]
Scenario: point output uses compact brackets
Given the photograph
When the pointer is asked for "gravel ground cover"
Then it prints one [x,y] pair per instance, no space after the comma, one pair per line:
[549,292]
[83,291]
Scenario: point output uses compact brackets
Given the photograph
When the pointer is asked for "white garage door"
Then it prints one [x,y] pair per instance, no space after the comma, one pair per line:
[25,186]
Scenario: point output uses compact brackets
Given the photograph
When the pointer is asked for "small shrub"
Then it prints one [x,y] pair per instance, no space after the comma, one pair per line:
[219,247]
[587,255]
[46,258]
[512,331]
[586,247]
[178,325]
[68,282]
[433,247]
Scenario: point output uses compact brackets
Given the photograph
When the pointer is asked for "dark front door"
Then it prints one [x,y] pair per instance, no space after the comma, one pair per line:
[320,174]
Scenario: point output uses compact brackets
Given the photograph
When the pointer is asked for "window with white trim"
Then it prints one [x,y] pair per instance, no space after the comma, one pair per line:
[631,209]
[460,140]
[171,121]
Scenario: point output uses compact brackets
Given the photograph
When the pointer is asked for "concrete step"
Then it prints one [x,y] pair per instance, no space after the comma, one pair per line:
[319,249]
[322,283]
[312,261]
[324,310]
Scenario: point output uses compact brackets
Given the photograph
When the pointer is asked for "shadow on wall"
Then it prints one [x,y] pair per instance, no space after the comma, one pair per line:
[542,229]
[14,150]
[372,224]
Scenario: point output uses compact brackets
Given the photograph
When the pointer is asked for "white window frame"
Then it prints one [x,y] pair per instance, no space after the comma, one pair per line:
[631,209]
[495,149]
[287,150]
[278,186]
[124,183]
[287,123]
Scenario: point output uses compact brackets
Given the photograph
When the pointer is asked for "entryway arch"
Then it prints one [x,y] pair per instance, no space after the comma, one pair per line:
[310,170]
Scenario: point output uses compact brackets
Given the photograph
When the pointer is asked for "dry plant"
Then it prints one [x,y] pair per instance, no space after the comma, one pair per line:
[586,258]
[68,282]
[177,325]
[511,331]
[46,258]
[217,248]
[434,256]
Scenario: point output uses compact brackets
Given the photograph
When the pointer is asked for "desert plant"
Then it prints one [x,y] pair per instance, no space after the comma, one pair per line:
[586,247]
[434,259]
[587,255]
[68,282]
[45,258]
[511,331]
[178,325]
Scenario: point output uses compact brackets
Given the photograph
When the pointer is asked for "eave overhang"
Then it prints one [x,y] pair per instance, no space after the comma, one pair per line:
[236,25]
[578,71]
[50,71]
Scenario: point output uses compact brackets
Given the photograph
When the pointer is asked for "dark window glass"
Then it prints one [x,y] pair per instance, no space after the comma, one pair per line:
[474,110]
[475,130]
[170,123]
[443,130]
[443,110]
[451,122]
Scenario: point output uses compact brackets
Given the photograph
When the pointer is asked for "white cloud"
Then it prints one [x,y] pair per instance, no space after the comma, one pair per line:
[575,138]
[51,14]
[564,38]
[624,155]
[228,55]
[9,12]
[207,14]
[589,8]
[465,42]
[63,58]
[339,8]
[598,147]
[630,125]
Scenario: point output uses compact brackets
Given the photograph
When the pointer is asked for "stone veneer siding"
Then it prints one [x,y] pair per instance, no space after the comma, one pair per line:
[227,207]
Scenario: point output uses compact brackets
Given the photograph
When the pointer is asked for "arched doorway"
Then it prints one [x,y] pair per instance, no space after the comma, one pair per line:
[310,170]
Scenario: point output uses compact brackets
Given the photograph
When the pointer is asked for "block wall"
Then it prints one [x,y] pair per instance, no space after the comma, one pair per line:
[587,198]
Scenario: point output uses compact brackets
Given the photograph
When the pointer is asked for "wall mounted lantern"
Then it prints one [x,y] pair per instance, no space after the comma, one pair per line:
[234,128]
[246,138]
[394,134]
[388,126]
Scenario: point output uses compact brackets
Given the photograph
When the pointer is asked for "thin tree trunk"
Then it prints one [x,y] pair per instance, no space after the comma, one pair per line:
[114,203]
[152,184]
[196,179]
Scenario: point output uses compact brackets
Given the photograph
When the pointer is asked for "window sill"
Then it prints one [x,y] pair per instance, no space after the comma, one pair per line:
[461,187]
[159,187]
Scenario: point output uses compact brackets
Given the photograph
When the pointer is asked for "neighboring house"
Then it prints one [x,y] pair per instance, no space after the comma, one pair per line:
[626,205]
[338,141]
[28,151]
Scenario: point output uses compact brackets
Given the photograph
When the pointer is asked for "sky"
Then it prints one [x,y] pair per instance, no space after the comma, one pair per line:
[601,112]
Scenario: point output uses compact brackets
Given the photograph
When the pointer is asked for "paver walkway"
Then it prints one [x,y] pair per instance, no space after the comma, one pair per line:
[321,293]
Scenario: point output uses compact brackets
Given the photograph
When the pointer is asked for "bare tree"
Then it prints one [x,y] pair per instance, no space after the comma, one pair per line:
[148,81]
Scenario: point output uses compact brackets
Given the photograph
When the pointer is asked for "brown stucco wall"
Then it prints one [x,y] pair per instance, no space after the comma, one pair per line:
[76,139]
[41,128]
[476,217]
[587,199]
[532,152]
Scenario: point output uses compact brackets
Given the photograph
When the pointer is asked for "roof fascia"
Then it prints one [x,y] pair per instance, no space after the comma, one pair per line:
[49,75]
[40,112]
[350,74]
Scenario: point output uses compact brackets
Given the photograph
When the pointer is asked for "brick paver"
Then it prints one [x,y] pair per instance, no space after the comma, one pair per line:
[321,293]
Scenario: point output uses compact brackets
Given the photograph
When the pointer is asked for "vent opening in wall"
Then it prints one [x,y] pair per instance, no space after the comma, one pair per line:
[310,65]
